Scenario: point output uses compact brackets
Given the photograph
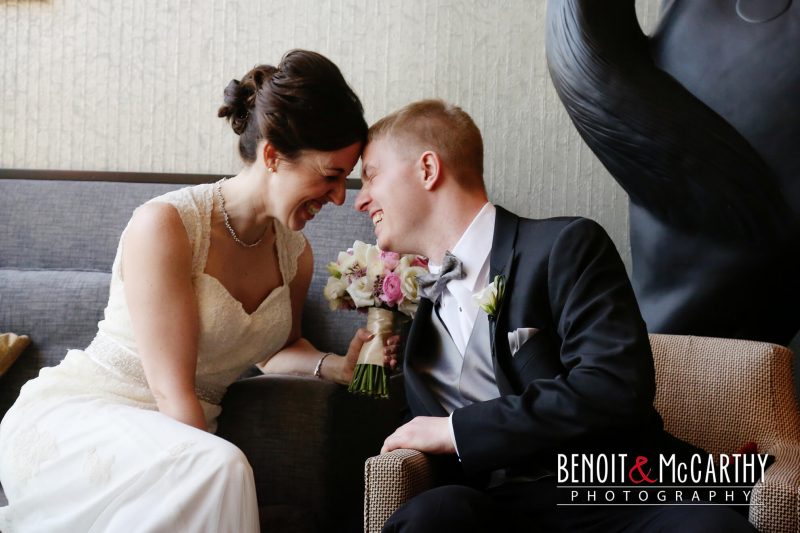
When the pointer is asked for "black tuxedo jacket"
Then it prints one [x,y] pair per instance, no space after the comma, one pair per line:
[584,382]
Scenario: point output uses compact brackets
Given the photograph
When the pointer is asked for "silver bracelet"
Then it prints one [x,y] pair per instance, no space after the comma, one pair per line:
[318,368]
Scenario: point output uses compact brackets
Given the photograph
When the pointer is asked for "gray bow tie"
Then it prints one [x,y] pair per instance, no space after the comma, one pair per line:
[431,285]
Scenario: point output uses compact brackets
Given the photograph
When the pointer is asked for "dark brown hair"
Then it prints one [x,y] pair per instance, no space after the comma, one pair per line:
[302,104]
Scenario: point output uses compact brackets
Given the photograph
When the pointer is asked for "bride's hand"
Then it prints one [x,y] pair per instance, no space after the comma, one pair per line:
[347,364]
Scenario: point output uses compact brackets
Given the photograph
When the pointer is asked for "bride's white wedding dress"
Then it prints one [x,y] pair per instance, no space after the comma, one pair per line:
[84,448]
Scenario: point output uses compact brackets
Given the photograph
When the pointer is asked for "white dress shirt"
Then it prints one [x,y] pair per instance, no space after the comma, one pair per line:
[457,306]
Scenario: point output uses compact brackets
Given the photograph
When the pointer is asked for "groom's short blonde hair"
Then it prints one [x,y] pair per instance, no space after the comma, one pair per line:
[440,127]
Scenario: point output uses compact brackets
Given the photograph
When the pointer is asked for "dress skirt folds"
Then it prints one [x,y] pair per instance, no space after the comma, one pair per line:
[87,464]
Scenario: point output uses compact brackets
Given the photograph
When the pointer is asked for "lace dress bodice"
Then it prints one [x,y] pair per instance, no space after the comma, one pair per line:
[230,339]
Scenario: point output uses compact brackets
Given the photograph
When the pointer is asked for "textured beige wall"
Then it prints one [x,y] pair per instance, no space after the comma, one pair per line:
[134,85]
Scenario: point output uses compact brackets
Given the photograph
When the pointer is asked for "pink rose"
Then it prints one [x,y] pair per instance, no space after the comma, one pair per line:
[392,294]
[390,260]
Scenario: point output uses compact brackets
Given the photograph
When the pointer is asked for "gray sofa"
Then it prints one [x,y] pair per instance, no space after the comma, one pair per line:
[306,439]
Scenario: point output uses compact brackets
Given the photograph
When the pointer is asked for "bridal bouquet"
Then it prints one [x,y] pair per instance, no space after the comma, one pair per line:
[383,283]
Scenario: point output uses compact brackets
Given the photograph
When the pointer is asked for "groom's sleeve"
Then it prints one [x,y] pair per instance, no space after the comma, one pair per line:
[609,378]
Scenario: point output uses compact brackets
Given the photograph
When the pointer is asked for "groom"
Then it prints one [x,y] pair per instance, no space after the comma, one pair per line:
[561,362]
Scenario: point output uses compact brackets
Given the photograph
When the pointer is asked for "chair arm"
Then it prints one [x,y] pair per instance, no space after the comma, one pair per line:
[391,480]
[306,440]
[721,393]
[775,501]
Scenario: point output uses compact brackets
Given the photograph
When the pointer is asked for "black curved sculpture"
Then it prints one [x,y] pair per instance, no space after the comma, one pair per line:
[700,124]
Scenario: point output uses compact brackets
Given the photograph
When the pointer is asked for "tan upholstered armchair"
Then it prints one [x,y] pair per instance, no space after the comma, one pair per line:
[715,393]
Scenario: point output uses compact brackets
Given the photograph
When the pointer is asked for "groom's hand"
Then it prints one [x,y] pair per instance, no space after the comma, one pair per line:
[390,349]
[429,434]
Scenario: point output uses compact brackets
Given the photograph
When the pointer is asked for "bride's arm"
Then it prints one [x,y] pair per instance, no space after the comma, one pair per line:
[157,267]
[298,356]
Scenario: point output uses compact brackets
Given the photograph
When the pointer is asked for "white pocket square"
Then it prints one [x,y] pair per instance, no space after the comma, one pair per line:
[518,337]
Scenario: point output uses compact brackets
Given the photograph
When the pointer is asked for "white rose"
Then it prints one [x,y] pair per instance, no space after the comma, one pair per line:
[408,280]
[361,292]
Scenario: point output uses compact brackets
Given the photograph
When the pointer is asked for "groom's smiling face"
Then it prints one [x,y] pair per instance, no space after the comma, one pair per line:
[389,195]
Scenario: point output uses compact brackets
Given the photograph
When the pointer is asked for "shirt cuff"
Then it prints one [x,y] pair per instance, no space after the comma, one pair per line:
[453,434]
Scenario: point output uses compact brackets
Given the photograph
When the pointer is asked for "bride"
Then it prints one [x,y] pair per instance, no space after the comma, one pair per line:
[207,281]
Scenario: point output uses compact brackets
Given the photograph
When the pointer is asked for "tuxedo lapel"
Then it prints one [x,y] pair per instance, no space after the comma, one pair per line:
[419,397]
[503,242]
[501,263]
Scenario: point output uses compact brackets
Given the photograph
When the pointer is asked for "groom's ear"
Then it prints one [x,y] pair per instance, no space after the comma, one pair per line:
[430,169]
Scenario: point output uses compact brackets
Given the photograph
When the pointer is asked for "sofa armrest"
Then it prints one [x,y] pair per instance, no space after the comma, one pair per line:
[775,502]
[391,480]
[306,440]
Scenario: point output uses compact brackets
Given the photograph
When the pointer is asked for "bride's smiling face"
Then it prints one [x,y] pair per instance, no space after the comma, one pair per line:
[308,182]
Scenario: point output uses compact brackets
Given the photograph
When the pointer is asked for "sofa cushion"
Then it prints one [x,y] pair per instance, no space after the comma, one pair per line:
[57,309]
[67,225]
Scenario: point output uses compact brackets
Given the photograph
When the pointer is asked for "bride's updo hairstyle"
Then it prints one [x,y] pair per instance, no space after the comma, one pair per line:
[302,104]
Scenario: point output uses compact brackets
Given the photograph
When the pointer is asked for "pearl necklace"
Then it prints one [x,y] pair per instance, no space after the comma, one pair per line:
[228,221]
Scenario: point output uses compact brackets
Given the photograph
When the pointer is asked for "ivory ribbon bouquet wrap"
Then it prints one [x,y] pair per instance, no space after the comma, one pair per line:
[385,285]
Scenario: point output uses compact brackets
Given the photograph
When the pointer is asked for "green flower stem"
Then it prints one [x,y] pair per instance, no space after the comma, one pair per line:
[370,380]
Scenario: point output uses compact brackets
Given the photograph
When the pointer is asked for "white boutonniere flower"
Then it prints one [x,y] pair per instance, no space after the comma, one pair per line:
[490,297]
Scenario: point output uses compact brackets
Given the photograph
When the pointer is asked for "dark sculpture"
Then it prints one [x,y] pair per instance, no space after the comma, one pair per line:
[700,124]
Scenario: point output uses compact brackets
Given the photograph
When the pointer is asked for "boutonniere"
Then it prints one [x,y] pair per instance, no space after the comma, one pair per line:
[491,296]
